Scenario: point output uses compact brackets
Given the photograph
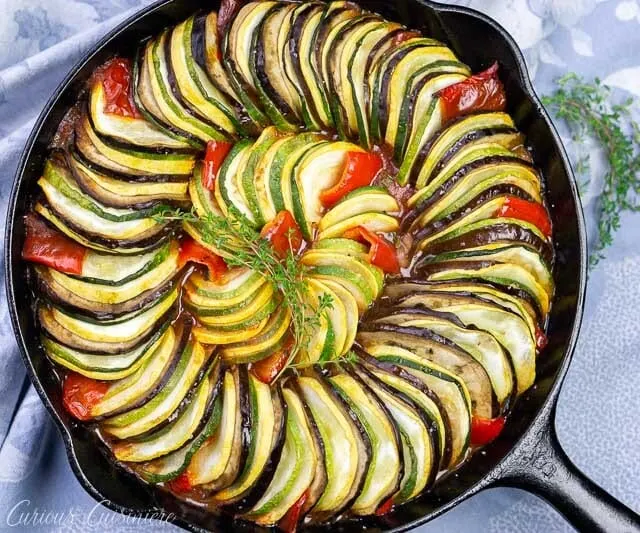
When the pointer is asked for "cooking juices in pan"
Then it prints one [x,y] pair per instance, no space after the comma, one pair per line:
[384,174]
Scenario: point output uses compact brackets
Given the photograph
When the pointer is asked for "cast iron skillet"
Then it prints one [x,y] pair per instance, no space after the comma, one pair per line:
[527,455]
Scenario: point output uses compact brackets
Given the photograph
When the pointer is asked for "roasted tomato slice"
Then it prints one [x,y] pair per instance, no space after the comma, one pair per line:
[266,370]
[481,92]
[49,247]
[80,394]
[360,170]
[180,484]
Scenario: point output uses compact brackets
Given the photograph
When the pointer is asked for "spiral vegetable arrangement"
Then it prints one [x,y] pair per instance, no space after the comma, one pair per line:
[295,263]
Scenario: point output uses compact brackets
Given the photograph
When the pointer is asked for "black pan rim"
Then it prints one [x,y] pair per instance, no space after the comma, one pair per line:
[540,419]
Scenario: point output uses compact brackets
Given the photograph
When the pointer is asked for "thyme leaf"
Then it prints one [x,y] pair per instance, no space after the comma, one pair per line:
[588,111]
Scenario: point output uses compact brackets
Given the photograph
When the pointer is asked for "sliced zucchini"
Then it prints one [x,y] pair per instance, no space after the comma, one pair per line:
[368,201]
[385,469]
[177,432]
[296,469]
[133,390]
[228,190]
[211,459]
[158,410]
[346,449]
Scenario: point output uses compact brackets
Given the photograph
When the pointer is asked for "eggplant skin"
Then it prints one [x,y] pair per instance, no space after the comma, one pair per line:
[297,85]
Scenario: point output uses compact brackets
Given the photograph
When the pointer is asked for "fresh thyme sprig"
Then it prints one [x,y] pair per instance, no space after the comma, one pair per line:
[587,110]
[241,246]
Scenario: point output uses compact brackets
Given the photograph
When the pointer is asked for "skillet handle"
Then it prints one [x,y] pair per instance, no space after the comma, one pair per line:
[541,467]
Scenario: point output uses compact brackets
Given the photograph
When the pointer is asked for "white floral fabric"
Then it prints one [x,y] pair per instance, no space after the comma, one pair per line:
[40,40]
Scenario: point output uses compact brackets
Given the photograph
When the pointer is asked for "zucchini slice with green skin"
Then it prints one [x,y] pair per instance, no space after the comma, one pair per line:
[217,315]
[127,328]
[158,410]
[101,366]
[425,389]
[424,119]
[508,275]
[374,222]
[180,430]
[417,98]
[246,176]
[123,247]
[508,328]
[217,336]
[203,200]
[129,130]
[336,314]
[231,288]
[442,352]
[210,461]
[296,469]
[282,167]
[135,389]
[344,246]
[481,345]
[346,447]
[321,343]
[351,313]
[420,448]
[113,191]
[263,433]
[160,81]
[262,177]
[357,58]
[170,466]
[371,282]
[319,169]
[228,189]
[505,253]
[191,85]
[495,169]
[450,134]
[373,201]
[163,267]
[265,343]
[385,469]
[267,70]
[131,161]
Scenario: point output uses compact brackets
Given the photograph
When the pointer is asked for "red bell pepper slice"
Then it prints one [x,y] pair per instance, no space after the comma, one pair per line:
[116,81]
[360,170]
[213,158]
[191,251]
[541,339]
[283,233]
[80,394]
[266,370]
[382,253]
[49,247]
[482,92]
[385,507]
[532,212]
[180,484]
[289,522]
[485,430]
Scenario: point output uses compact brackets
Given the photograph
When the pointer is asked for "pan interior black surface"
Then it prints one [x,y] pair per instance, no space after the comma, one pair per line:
[478,43]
